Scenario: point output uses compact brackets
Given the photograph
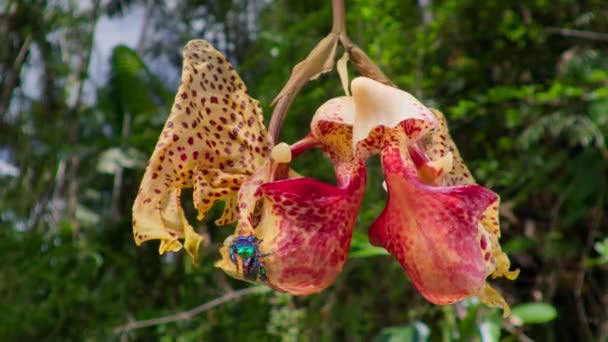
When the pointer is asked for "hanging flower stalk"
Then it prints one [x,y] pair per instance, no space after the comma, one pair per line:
[293,233]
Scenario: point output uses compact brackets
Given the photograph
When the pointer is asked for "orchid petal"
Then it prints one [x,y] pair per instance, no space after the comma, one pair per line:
[213,139]
[432,231]
[332,126]
[383,114]
[306,228]
[439,143]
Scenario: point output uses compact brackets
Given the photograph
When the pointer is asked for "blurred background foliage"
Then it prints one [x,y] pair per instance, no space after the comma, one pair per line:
[523,84]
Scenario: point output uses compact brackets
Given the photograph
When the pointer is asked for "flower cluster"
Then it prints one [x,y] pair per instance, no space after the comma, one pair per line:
[293,233]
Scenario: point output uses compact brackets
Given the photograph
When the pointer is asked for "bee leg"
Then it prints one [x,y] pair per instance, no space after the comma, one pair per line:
[262,271]
[262,255]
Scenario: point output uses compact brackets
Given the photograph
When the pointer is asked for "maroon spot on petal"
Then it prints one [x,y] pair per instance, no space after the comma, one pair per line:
[183,157]
[483,243]
[213,99]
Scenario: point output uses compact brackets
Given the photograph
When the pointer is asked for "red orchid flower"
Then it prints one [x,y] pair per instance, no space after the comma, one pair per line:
[304,226]
[215,141]
[437,223]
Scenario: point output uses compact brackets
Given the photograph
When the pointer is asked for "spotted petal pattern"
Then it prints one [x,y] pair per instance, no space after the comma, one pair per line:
[441,227]
[432,231]
[383,114]
[433,150]
[212,141]
[305,225]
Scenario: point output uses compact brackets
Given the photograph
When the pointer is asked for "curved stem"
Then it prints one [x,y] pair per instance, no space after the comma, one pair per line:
[339,22]
[320,60]
[278,117]
[284,102]
[281,170]
[303,145]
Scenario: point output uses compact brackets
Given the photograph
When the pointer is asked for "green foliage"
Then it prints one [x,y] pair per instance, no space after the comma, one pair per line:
[361,248]
[534,313]
[527,105]
[415,332]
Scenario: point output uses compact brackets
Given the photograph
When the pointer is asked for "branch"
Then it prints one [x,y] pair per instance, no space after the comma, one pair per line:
[578,33]
[13,76]
[516,332]
[184,315]
[72,117]
[596,215]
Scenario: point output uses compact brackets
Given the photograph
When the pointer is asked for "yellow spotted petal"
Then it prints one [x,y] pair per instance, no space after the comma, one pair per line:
[192,243]
[439,143]
[492,298]
[213,140]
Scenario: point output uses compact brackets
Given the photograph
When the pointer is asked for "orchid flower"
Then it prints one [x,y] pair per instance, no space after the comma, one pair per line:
[213,140]
[437,223]
[305,226]
[293,233]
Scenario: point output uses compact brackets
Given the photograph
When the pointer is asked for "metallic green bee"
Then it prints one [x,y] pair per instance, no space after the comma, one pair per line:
[247,248]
